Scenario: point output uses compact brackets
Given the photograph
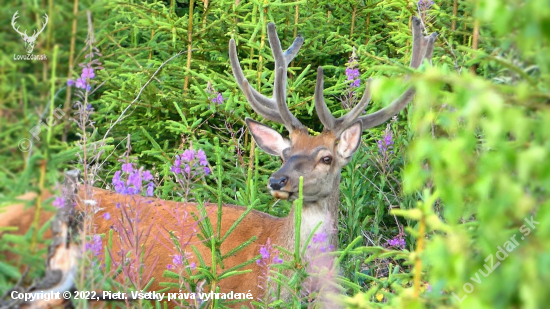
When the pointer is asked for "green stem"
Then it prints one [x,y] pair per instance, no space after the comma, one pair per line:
[418,262]
[38,209]
[296,16]
[219,176]
[69,74]
[52,93]
[189,44]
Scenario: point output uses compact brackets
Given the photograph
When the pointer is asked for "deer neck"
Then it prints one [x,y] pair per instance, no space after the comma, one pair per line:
[324,210]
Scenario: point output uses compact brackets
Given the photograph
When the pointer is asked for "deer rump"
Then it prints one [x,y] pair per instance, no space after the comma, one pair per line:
[161,218]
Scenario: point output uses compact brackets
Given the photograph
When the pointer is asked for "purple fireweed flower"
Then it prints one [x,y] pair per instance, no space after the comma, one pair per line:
[81,83]
[269,255]
[386,143]
[147,176]
[202,157]
[169,266]
[192,266]
[150,189]
[88,73]
[58,202]
[195,159]
[397,241]
[106,216]
[95,245]
[129,182]
[134,182]
[213,95]
[352,73]
[175,169]
[218,99]
[70,82]
[264,251]
[116,177]
[131,177]
[127,168]
[135,179]
[188,155]
[177,260]
[119,186]
[319,238]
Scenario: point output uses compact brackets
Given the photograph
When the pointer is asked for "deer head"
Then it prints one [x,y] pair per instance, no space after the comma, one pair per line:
[30,41]
[318,158]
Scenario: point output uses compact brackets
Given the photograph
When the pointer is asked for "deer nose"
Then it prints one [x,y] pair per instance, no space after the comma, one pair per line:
[276,183]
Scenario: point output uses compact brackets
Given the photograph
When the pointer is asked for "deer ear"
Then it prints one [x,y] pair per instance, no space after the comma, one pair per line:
[350,140]
[267,139]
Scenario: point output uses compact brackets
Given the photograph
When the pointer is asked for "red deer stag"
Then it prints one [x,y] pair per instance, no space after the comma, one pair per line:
[319,159]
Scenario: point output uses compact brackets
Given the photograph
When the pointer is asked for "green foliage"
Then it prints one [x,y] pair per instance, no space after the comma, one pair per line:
[462,179]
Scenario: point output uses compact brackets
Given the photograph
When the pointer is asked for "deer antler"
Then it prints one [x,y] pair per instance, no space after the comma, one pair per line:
[422,49]
[13,24]
[274,109]
[43,26]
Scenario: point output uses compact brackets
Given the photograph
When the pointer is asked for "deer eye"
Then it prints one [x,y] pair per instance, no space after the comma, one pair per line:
[326,160]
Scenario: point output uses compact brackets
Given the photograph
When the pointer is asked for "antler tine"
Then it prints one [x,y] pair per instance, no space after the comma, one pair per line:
[422,49]
[281,65]
[239,76]
[326,117]
[419,44]
[291,52]
[430,47]
[259,108]
[290,121]
[269,108]
[344,122]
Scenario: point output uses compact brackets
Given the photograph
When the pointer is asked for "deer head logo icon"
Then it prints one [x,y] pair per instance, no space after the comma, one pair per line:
[29,40]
